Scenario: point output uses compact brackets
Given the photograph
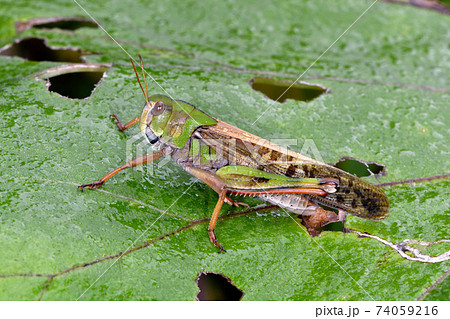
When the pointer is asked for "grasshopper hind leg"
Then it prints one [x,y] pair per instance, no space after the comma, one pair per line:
[213,220]
[215,216]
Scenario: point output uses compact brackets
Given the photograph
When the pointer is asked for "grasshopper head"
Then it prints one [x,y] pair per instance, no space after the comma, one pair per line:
[169,121]
[155,117]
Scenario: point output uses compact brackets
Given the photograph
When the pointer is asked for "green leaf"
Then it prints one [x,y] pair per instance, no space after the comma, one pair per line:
[388,103]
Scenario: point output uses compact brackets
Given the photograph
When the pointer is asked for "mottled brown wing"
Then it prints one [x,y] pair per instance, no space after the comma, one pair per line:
[239,147]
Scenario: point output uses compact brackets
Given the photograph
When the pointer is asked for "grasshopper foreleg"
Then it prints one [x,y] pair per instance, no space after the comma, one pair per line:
[141,160]
[125,126]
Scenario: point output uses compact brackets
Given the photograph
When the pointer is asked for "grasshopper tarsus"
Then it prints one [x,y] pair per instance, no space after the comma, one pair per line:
[233,202]
[213,239]
[93,185]
[125,126]
[118,122]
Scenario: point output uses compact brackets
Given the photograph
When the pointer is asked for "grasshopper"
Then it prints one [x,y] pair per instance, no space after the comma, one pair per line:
[233,161]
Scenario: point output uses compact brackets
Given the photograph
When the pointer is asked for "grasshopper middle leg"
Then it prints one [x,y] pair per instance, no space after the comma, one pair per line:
[141,160]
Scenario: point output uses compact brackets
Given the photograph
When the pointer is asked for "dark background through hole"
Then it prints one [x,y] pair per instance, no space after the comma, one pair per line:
[275,89]
[35,49]
[217,287]
[66,24]
[77,85]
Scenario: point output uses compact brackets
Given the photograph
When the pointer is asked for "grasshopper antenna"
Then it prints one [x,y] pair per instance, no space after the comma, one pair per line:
[137,76]
[143,74]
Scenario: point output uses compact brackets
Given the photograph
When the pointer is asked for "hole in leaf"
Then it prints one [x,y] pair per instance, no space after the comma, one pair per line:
[35,49]
[335,226]
[275,89]
[361,168]
[64,23]
[77,85]
[215,286]
[76,81]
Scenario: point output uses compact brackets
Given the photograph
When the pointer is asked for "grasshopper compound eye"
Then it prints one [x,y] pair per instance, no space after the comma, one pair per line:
[158,108]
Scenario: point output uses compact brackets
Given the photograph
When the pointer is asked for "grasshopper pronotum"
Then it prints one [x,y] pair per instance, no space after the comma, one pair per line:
[233,161]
